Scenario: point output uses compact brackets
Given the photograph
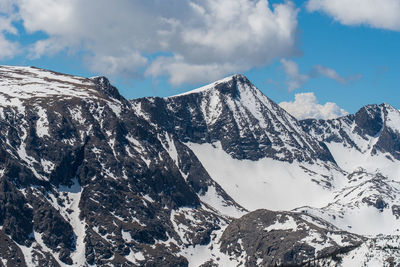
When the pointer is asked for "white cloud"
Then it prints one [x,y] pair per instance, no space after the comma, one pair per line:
[329,73]
[383,14]
[7,7]
[180,71]
[8,49]
[305,105]
[319,70]
[122,65]
[203,39]
[295,79]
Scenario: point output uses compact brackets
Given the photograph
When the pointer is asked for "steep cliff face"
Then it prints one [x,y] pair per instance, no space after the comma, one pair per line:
[373,132]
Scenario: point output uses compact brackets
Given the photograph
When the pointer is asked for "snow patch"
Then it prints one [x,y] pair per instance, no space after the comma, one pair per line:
[74,194]
[259,184]
[42,124]
[288,224]
[212,198]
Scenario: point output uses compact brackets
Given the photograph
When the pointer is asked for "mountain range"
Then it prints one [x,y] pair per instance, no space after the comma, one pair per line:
[217,176]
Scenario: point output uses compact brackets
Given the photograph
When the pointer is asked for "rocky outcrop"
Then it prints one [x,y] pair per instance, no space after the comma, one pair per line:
[373,129]
[267,238]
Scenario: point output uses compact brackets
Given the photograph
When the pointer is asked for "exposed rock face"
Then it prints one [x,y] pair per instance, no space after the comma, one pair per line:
[233,111]
[86,181]
[369,120]
[372,129]
[267,238]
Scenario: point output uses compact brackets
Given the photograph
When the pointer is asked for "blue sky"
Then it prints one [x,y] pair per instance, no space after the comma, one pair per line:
[336,51]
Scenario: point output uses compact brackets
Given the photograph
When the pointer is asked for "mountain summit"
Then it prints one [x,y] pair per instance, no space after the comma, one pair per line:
[235,113]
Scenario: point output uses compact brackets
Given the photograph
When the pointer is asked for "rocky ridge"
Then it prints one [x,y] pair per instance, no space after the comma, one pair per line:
[234,112]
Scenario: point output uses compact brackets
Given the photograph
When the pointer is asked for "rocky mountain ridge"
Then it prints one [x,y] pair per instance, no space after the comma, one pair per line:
[257,127]
[88,178]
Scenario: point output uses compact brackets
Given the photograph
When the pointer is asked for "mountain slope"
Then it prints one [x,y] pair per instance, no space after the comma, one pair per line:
[233,111]
[365,145]
[88,178]
[263,149]
[86,181]
[372,134]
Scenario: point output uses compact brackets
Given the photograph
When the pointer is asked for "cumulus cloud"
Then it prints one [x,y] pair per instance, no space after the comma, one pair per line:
[295,79]
[383,14]
[305,105]
[189,41]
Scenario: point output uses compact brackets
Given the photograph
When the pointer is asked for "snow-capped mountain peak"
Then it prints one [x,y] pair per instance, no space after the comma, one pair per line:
[373,130]
[213,85]
[103,85]
[233,111]
[90,179]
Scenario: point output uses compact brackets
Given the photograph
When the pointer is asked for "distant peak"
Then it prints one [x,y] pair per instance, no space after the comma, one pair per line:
[104,86]
[102,80]
[238,76]
[375,110]
[16,83]
[217,84]
[386,106]
[383,105]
